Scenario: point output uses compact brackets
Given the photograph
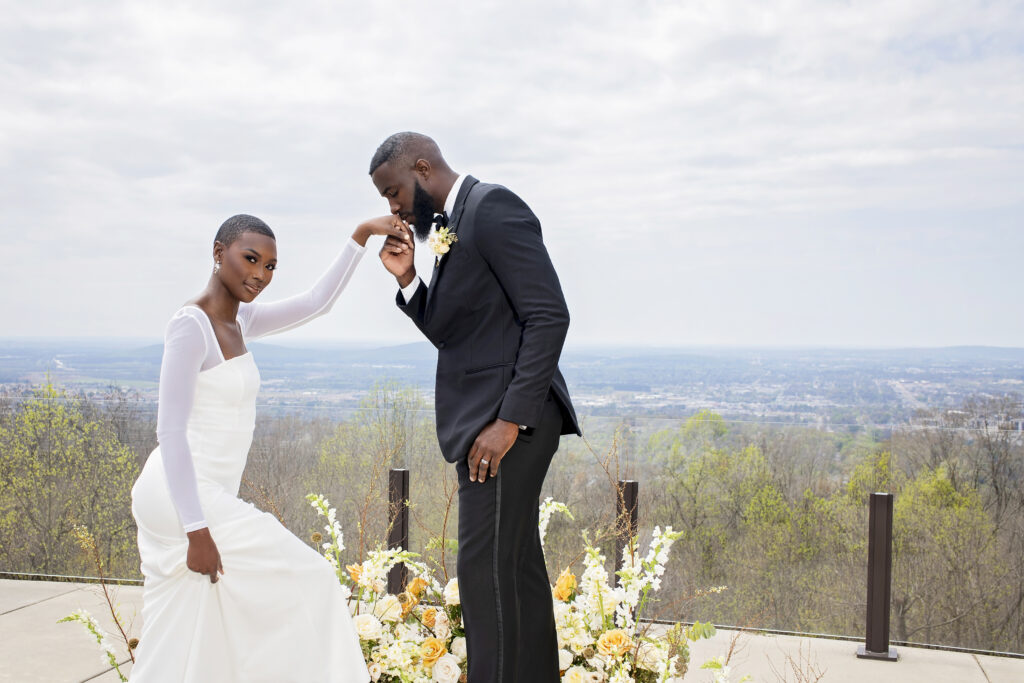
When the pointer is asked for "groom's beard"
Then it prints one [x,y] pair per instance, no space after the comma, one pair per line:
[422,212]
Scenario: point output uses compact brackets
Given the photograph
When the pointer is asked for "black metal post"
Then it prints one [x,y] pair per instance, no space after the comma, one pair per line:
[626,516]
[398,525]
[876,644]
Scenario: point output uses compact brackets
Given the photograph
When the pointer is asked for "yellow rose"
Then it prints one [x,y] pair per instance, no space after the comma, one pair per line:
[429,617]
[416,586]
[614,643]
[431,650]
[354,572]
[565,586]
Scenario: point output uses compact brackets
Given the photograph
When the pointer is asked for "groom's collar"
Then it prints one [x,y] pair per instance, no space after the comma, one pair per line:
[449,202]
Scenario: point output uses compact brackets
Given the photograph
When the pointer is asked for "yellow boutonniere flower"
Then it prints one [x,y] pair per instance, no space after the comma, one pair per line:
[441,242]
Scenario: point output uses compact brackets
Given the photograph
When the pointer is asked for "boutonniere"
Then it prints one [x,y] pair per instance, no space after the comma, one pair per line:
[441,242]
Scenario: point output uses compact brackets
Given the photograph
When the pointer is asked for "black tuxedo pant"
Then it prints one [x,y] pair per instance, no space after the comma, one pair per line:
[503,582]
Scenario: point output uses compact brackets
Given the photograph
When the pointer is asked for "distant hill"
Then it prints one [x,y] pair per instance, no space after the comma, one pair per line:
[791,383]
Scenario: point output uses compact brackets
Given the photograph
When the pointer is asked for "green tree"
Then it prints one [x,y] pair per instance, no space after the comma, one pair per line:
[58,468]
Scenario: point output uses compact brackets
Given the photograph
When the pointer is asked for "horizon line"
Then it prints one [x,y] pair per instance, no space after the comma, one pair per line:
[588,345]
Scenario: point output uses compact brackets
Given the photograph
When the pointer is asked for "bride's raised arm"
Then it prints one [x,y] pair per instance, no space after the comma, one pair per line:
[261,319]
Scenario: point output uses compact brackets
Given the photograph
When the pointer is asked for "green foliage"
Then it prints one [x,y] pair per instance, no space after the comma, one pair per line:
[874,474]
[61,468]
[679,638]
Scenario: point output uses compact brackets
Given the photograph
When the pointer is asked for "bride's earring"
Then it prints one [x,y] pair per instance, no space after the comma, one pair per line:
[216,267]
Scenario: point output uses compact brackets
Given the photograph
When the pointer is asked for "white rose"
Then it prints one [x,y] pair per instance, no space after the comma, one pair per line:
[595,677]
[443,248]
[649,656]
[375,671]
[451,593]
[388,608]
[564,660]
[447,669]
[458,648]
[368,627]
[576,674]
[442,629]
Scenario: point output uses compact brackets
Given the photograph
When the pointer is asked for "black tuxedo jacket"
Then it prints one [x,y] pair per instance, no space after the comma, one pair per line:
[495,312]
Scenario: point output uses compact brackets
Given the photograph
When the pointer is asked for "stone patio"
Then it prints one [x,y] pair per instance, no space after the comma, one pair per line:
[35,648]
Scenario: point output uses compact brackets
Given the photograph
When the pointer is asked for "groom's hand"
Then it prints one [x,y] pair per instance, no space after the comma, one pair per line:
[491,445]
[399,257]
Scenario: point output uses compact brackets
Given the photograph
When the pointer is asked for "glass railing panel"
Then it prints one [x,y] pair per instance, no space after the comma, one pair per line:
[771,512]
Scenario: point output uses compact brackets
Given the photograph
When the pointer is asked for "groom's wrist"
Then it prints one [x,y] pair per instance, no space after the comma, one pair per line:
[405,279]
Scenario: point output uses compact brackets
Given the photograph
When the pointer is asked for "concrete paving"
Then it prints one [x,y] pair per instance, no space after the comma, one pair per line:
[34,648]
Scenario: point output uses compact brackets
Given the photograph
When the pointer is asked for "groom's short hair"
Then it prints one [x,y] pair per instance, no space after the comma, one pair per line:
[236,226]
[400,146]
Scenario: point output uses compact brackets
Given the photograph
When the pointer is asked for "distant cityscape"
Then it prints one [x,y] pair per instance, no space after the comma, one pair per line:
[804,386]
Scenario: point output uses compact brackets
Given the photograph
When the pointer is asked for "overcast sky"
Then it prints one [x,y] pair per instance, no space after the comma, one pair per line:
[741,173]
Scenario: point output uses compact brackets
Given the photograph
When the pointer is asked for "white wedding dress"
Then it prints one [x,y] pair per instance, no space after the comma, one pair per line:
[278,613]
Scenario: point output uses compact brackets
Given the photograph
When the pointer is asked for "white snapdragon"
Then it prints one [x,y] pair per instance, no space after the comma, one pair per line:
[334,545]
[637,578]
[600,598]
[549,507]
[108,657]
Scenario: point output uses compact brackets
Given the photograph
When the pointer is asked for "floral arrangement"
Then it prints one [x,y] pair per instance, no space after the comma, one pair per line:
[441,241]
[417,636]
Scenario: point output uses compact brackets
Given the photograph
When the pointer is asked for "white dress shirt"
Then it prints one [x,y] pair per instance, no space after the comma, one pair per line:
[449,207]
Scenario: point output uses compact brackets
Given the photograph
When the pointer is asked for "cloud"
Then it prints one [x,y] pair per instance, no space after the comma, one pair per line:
[738,164]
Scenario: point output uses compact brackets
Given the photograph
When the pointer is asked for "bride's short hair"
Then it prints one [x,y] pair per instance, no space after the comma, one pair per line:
[236,226]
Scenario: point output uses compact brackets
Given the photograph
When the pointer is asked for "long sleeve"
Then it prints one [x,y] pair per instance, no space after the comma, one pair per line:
[184,352]
[509,239]
[259,319]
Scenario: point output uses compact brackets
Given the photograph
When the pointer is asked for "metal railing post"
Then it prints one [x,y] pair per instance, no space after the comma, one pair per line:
[398,525]
[626,517]
[876,643]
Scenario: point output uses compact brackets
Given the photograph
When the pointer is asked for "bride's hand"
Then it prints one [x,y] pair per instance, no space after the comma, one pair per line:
[389,226]
[203,556]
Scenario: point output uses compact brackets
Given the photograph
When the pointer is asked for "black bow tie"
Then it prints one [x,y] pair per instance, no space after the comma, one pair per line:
[441,220]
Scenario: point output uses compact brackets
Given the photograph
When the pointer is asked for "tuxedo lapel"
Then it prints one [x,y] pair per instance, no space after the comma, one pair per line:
[453,226]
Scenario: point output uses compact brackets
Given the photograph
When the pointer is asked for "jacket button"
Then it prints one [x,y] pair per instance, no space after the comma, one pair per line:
[440,345]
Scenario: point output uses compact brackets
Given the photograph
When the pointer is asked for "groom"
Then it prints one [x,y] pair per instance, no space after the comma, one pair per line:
[495,311]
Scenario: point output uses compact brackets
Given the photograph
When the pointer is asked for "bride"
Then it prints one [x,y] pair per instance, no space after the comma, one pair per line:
[230,594]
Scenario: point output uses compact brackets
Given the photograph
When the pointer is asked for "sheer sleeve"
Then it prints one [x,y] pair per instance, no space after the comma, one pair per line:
[259,319]
[184,353]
